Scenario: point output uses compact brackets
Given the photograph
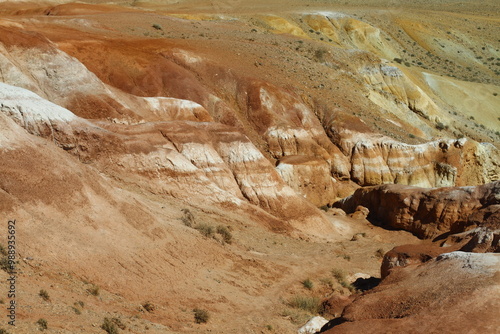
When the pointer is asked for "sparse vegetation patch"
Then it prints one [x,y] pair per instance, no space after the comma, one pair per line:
[109,326]
[340,276]
[148,306]
[4,260]
[309,304]
[94,290]
[42,324]
[308,284]
[205,229]
[188,218]
[441,126]
[201,316]
[227,237]
[44,294]
[297,317]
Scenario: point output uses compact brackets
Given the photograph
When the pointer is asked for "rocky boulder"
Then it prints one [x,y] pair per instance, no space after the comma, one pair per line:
[431,298]
[335,305]
[312,326]
[407,255]
[477,240]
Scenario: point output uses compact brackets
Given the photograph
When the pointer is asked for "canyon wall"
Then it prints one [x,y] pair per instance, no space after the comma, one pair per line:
[259,134]
[429,213]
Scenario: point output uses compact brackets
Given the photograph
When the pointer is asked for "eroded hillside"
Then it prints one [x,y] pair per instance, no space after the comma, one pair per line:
[129,128]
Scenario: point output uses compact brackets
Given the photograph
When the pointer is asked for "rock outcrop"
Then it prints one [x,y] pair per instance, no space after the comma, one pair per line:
[310,177]
[484,239]
[408,255]
[428,213]
[479,240]
[335,305]
[376,159]
[313,325]
[430,298]
[296,139]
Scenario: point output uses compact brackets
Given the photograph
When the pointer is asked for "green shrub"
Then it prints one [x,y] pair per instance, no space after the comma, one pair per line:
[188,218]
[308,284]
[440,126]
[4,264]
[109,326]
[201,316]
[157,26]
[348,286]
[327,281]
[148,306]
[77,306]
[3,251]
[44,294]
[94,290]
[298,317]
[205,229]
[338,274]
[319,54]
[42,324]
[119,323]
[309,304]
[4,260]
[227,237]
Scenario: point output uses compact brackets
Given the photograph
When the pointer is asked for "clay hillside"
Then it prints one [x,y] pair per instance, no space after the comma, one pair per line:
[244,167]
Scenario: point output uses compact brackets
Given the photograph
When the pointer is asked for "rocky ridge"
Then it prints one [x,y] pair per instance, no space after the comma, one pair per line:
[429,213]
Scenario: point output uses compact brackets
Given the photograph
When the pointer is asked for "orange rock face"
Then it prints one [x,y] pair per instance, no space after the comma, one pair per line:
[429,213]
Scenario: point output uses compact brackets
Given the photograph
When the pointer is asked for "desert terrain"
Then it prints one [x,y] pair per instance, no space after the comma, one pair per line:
[241,167]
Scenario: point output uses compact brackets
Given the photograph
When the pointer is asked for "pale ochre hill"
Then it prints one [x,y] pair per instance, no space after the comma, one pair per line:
[474,101]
